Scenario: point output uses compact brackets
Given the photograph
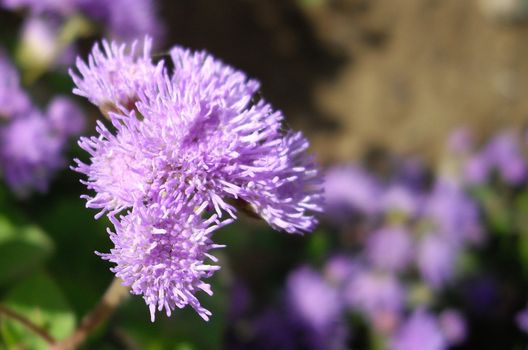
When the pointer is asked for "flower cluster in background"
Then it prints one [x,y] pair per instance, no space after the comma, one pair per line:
[32,142]
[409,266]
[50,29]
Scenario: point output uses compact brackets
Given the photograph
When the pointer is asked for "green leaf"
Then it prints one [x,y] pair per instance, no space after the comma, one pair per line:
[40,300]
[21,249]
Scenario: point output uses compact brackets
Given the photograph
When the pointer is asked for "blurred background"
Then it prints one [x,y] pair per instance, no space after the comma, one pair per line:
[416,111]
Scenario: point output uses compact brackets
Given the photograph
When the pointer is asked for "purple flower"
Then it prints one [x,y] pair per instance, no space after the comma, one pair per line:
[420,332]
[161,254]
[307,292]
[436,259]
[62,7]
[502,153]
[310,316]
[411,173]
[351,188]
[192,139]
[13,100]
[339,269]
[39,45]
[199,136]
[120,170]
[390,248]
[124,22]
[372,292]
[453,213]
[398,198]
[31,144]
[522,320]
[115,75]
[65,117]
[453,326]
[477,169]
[121,20]
[30,153]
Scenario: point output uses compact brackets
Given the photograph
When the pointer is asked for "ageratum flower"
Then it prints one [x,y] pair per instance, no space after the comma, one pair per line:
[193,138]
[307,291]
[453,325]
[161,254]
[421,331]
[32,143]
[114,75]
[120,19]
[29,153]
[390,248]
[13,99]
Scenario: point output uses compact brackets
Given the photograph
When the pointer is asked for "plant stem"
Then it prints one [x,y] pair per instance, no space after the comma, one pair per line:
[27,323]
[111,299]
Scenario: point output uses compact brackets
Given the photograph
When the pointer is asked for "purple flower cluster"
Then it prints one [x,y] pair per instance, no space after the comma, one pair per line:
[308,315]
[411,239]
[306,291]
[313,312]
[32,142]
[502,156]
[410,229]
[122,20]
[416,233]
[186,151]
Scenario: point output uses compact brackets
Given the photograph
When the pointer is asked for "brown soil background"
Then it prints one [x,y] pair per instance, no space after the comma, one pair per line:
[400,74]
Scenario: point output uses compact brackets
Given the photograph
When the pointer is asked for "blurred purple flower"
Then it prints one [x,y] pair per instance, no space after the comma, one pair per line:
[122,21]
[411,173]
[13,100]
[372,292]
[420,332]
[390,248]
[351,188]
[522,320]
[65,117]
[453,326]
[477,169]
[315,303]
[398,198]
[39,46]
[436,258]
[503,153]
[453,213]
[30,153]
[310,318]
[125,22]
[57,7]
[339,269]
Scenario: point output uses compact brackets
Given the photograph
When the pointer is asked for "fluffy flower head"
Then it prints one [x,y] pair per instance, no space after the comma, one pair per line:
[192,138]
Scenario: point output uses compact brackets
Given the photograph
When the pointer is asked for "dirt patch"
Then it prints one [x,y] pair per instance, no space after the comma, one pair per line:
[419,69]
